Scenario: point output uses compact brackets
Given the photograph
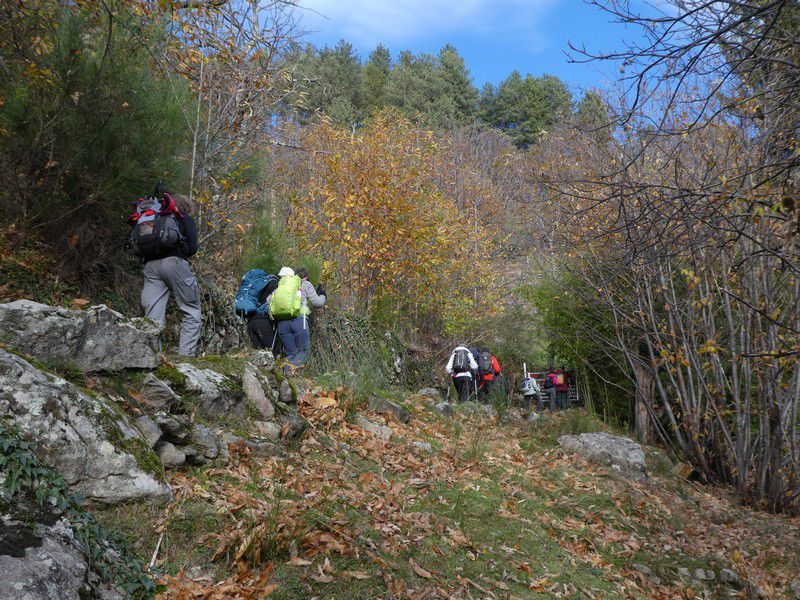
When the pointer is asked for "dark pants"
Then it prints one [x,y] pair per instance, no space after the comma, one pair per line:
[563,400]
[296,339]
[551,394]
[463,387]
[485,389]
[264,335]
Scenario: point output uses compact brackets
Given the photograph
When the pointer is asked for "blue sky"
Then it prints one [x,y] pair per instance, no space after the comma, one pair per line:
[494,36]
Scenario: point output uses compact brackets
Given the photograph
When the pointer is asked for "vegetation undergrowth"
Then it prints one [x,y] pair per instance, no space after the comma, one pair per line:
[490,509]
[108,553]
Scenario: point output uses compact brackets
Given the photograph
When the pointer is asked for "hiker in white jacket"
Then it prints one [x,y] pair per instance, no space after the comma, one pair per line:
[461,367]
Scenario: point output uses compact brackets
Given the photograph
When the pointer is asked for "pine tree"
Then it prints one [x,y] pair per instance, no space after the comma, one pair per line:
[375,78]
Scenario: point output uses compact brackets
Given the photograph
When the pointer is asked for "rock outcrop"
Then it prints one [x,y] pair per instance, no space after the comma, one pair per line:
[213,390]
[387,407]
[85,438]
[41,559]
[253,387]
[95,339]
[381,431]
[431,394]
[158,394]
[620,453]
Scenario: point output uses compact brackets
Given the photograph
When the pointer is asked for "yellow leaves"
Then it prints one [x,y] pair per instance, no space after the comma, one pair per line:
[377,211]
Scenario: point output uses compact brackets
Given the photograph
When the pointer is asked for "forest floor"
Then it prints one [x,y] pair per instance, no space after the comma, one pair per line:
[493,509]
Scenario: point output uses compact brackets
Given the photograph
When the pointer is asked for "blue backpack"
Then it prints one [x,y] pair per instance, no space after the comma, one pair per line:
[247,302]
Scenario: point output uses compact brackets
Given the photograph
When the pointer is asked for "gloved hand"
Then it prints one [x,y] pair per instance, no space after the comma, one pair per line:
[320,291]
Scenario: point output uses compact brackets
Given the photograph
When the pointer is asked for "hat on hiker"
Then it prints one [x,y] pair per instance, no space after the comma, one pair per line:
[286,272]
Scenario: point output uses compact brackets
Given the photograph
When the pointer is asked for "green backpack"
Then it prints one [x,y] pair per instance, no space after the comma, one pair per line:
[286,300]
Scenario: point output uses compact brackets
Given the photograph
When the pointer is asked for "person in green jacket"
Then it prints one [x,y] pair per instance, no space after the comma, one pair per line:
[293,329]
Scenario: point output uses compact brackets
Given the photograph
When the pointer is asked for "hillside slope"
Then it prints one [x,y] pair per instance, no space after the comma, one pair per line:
[461,506]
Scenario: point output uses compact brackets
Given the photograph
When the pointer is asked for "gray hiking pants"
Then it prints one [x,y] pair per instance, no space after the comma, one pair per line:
[173,274]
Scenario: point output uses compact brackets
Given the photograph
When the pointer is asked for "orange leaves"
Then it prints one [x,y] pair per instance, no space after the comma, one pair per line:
[322,410]
[246,584]
[378,210]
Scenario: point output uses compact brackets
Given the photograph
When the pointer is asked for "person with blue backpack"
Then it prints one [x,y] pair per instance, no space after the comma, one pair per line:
[251,304]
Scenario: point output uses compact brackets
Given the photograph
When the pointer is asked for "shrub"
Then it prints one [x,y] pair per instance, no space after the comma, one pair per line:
[88,122]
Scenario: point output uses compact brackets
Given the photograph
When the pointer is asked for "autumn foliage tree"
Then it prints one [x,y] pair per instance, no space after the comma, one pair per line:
[392,239]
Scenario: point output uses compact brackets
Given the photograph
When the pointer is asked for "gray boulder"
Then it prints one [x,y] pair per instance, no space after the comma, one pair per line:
[285,394]
[387,407]
[206,441]
[292,424]
[149,429]
[174,428]
[158,394]
[40,559]
[171,456]
[620,453]
[729,576]
[380,431]
[212,390]
[253,386]
[267,430]
[424,446]
[430,393]
[85,438]
[262,359]
[704,575]
[95,339]
[444,408]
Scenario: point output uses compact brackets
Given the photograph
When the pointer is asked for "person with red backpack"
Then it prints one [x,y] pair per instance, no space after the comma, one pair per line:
[550,383]
[488,369]
[562,388]
[461,367]
[163,235]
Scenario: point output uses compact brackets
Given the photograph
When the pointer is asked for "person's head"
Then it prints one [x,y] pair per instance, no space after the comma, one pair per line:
[183,204]
[286,272]
[302,273]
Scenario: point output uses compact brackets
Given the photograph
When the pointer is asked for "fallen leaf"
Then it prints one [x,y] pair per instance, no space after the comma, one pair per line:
[419,570]
[356,574]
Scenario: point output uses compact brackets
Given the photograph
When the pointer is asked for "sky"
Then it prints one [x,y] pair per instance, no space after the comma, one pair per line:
[493,36]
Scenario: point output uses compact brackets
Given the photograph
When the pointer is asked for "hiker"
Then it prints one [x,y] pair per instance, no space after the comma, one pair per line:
[164,236]
[461,367]
[251,304]
[550,388]
[290,306]
[562,389]
[530,390]
[488,369]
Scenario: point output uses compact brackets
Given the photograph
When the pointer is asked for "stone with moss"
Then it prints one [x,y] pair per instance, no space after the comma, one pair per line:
[85,437]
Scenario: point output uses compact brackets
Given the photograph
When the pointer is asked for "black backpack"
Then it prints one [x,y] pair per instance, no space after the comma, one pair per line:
[485,362]
[154,234]
[461,361]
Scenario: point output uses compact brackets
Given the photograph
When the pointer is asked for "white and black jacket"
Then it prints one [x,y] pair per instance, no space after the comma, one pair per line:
[473,365]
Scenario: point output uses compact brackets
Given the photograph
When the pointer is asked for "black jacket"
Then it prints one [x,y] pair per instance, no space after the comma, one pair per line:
[188,247]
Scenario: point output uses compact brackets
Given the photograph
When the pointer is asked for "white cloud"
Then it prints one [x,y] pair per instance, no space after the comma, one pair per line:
[368,22]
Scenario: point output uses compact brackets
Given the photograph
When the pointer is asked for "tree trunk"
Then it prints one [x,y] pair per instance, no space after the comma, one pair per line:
[643,402]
